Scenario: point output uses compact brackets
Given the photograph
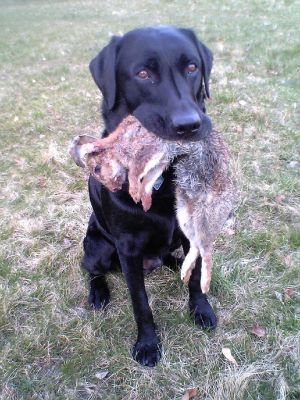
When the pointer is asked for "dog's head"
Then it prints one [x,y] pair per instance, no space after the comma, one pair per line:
[161,76]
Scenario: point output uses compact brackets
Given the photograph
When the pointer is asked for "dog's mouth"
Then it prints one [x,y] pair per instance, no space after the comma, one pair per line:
[164,128]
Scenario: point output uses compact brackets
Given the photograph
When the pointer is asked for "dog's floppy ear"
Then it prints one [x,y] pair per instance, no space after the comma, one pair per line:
[206,58]
[207,63]
[103,70]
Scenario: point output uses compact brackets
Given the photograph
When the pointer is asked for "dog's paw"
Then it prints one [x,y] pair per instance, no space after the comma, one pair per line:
[98,299]
[147,353]
[203,315]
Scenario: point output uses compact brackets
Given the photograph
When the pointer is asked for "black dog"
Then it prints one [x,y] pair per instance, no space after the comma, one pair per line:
[160,75]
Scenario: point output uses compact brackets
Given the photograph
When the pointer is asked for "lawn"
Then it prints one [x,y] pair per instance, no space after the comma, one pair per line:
[52,345]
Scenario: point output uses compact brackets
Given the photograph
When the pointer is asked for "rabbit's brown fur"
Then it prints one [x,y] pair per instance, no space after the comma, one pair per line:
[204,189]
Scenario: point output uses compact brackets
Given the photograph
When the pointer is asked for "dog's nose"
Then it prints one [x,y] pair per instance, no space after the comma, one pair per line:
[186,123]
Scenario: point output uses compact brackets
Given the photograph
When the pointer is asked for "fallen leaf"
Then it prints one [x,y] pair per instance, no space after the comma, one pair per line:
[189,394]
[101,374]
[258,331]
[293,164]
[288,293]
[280,198]
[227,353]
[279,296]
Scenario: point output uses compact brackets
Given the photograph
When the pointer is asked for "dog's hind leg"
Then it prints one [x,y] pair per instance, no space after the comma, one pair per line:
[97,260]
[99,296]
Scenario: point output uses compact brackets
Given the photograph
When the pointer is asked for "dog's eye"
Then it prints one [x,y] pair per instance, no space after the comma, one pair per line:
[191,68]
[143,74]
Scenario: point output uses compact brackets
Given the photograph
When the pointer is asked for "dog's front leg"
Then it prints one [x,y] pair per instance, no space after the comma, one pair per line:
[147,349]
[200,308]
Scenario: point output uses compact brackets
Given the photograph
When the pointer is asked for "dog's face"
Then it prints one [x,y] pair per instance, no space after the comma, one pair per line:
[160,75]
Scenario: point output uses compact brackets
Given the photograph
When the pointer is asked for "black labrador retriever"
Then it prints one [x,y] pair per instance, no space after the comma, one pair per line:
[160,75]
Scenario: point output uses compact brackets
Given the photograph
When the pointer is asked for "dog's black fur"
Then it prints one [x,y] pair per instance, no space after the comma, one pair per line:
[169,100]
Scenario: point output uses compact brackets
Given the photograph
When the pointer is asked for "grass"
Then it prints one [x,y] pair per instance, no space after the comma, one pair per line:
[52,345]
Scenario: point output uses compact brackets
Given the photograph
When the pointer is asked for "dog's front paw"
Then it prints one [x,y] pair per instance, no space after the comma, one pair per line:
[203,314]
[98,298]
[147,352]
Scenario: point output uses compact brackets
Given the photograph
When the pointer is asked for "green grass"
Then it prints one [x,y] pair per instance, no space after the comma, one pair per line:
[52,345]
